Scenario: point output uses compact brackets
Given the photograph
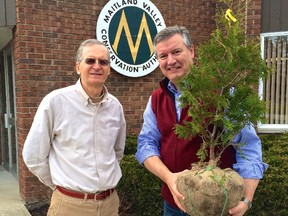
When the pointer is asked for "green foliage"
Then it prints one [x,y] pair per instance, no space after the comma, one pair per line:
[271,196]
[139,190]
[220,88]
[131,145]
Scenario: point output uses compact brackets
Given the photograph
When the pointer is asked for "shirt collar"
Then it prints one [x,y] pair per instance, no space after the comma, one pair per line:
[85,96]
[173,89]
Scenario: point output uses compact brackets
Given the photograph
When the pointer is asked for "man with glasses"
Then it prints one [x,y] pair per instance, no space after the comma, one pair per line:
[77,140]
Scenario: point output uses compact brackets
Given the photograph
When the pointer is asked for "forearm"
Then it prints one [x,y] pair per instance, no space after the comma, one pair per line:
[243,206]
[156,166]
[250,188]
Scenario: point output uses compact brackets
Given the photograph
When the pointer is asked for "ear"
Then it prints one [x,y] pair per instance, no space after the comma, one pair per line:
[192,52]
[77,68]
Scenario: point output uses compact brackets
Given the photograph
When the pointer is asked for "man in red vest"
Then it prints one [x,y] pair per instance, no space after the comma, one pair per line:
[166,155]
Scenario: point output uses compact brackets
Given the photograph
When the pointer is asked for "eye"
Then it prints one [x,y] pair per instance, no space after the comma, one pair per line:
[177,52]
[90,61]
[103,62]
[163,56]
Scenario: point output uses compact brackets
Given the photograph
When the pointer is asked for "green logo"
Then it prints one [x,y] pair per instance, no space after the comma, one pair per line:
[128,28]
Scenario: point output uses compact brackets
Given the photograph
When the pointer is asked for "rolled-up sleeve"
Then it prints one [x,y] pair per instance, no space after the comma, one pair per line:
[149,137]
[249,155]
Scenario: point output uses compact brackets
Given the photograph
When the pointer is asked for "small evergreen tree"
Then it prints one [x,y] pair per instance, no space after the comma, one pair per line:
[221,88]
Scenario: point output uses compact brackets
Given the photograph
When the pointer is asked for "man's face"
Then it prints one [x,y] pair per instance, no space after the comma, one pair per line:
[174,57]
[93,73]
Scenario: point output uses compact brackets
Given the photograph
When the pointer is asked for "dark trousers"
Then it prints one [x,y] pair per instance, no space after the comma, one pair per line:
[172,211]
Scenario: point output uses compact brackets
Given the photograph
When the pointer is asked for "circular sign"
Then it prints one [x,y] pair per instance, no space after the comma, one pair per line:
[128,28]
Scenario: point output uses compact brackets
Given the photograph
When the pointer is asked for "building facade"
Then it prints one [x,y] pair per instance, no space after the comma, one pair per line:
[39,40]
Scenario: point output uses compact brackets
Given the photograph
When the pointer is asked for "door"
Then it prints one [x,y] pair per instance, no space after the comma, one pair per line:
[7,110]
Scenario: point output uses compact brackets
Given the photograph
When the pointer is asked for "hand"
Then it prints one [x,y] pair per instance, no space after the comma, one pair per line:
[171,182]
[239,210]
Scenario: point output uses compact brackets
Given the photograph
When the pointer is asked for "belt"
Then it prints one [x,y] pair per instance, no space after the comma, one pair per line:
[97,196]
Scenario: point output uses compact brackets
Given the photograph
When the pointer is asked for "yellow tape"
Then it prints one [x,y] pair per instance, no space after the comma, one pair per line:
[229,16]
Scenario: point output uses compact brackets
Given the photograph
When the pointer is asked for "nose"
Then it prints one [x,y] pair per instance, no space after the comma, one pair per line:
[96,65]
[170,59]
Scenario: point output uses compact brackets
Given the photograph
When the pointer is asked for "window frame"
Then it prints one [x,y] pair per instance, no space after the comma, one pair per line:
[269,128]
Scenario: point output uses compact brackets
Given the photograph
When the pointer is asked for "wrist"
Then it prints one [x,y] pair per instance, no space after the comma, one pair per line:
[247,201]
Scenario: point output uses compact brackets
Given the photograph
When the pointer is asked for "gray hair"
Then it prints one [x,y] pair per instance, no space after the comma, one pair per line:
[171,31]
[89,42]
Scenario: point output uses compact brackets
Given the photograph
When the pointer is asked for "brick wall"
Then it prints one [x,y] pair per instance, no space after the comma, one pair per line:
[46,38]
[254,18]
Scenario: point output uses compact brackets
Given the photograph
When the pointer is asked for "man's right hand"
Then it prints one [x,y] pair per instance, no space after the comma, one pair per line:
[171,183]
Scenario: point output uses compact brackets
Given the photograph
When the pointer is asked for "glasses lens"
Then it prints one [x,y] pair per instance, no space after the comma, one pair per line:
[103,62]
[90,61]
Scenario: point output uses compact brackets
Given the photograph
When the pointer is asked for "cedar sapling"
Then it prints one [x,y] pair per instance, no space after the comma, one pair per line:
[221,92]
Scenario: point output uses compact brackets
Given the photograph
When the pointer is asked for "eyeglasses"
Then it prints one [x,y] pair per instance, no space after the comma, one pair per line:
[101,62]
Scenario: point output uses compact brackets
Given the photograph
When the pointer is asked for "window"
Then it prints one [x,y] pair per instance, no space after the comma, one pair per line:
[274,90]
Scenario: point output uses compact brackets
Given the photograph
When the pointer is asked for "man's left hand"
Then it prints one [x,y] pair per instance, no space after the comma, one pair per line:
[239,210]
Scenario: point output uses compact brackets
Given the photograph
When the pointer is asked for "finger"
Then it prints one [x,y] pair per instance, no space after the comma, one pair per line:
[178,194]
[179,205]
[239,210]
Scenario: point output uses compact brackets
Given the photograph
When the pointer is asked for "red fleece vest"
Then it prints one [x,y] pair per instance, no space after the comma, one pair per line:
[177,154]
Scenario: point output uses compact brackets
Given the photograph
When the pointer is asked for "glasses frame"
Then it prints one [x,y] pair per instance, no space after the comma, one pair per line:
[92,61]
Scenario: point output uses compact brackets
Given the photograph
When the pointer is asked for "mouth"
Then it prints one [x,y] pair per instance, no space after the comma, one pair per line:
[173,68]
[96,74]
